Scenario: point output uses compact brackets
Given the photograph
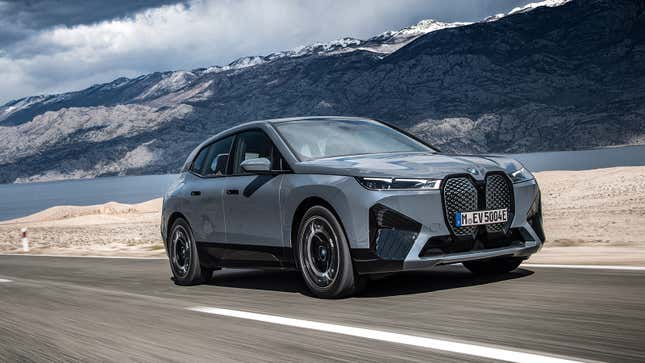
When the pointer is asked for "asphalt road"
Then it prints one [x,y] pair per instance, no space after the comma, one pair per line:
[94,309]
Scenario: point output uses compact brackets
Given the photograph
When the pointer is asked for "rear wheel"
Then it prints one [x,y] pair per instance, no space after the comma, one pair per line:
[323,255]
[182,253]
[494,266]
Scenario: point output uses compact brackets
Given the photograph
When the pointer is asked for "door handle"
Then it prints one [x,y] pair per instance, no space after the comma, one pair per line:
[195,193]
[232,191]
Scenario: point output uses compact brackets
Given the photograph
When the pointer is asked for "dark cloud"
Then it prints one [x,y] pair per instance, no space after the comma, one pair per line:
[50,46]
[21,18]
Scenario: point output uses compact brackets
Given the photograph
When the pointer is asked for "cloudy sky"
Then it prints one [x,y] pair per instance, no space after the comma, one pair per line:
[49,46]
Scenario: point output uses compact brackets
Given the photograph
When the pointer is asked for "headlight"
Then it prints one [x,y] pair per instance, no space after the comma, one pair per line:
[399,183]
[521,175]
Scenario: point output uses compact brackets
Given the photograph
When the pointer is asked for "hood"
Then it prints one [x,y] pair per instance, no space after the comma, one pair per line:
[409,165]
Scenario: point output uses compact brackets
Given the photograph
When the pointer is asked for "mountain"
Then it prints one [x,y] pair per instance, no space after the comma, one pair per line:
[561,75]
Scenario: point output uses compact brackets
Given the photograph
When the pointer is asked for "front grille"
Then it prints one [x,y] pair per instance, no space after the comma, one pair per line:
[463,194]
[499,195]
[460,195]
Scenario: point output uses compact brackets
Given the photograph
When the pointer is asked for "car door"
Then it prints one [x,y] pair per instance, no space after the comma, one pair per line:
[252,201]
[206,188]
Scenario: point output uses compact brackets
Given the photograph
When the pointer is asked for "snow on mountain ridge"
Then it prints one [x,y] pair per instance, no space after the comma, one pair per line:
[393,39]
[340,45]
[527,8]
[422,27]
[14,106]
[170,82]
[384,43]
[532,6]
[317,48]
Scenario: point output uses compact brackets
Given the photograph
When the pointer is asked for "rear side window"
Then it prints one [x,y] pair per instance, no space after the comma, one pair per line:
[213,159]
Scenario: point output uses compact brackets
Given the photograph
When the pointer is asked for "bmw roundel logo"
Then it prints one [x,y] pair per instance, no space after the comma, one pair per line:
[473,171]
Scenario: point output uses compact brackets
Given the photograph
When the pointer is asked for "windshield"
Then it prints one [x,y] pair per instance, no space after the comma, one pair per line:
[316,139]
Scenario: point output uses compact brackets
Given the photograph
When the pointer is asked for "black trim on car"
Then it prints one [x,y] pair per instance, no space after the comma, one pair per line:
[443,245]
[367,262]
[217,254]
[392,235]
[535,218]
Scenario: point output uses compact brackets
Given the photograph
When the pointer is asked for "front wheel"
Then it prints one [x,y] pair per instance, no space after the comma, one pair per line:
[494,266]
[323,255]
[182,253]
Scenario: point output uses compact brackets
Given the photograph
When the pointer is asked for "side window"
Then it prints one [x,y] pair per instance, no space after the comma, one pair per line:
[251,145]
[212,159]
[217,158]
[198,162]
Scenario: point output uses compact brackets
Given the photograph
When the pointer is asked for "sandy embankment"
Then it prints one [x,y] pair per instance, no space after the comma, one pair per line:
[595,216]
[106,229]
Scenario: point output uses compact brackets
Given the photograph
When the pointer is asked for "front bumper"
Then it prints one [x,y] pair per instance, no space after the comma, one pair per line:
[524,236]
[522,249]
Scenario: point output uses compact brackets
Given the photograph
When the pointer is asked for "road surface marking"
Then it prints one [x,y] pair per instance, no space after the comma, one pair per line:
[431,343]
[588,267]
[89,256]
[5,280]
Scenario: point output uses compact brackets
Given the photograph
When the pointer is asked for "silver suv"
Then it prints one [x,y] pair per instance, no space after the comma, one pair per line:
[340,198]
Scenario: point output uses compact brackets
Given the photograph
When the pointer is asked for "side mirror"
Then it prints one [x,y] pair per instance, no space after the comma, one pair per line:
[257,165]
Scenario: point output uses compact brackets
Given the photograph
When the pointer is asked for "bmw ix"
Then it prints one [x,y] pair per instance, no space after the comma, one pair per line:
[340,199]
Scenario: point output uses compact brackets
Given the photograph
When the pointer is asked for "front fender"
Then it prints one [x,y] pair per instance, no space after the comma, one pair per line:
[343,193]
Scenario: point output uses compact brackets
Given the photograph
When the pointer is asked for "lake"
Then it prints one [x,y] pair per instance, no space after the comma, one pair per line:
[584,159]
[18,200]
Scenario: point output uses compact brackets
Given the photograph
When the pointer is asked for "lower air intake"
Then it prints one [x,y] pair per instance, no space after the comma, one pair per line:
[391,233]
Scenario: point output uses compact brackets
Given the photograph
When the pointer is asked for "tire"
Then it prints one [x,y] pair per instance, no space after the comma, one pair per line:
[493,266]
[182,253]
[323,256]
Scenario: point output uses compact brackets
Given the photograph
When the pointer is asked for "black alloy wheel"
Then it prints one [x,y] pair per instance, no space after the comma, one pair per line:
[323,255]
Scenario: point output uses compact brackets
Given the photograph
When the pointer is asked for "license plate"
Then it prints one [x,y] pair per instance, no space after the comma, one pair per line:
[463,219]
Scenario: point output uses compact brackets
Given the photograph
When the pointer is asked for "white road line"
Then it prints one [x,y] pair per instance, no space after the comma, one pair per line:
[89,256]
[436,344]
[5,280]
[588,267]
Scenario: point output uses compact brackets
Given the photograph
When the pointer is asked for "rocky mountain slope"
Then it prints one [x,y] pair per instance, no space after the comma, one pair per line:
[565,75]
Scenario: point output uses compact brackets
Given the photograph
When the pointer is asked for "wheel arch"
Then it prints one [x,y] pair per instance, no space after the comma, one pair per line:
[342,195]
[299,213]
[171,220]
